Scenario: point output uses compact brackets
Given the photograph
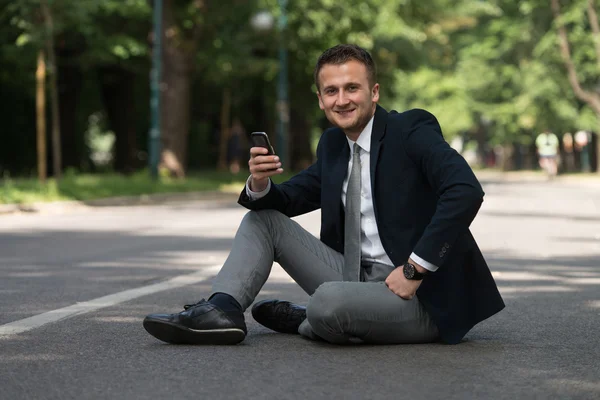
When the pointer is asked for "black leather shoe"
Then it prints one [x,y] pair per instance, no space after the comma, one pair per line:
[280,316]
[200,323]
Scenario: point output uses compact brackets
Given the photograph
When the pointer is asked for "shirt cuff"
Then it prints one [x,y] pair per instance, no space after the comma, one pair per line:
[425,264]
[256,195]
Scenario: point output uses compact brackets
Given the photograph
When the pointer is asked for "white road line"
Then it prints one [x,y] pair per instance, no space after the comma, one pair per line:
[24,325]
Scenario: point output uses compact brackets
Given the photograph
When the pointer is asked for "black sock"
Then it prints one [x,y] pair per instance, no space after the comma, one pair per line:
[226,303]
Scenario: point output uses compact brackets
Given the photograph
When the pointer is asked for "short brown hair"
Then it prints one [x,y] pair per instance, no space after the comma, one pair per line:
[342,53]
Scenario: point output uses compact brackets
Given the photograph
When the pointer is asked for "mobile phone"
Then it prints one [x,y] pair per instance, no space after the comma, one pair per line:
[260,139]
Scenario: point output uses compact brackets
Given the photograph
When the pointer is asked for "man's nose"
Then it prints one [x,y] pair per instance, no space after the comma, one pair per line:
[342,98]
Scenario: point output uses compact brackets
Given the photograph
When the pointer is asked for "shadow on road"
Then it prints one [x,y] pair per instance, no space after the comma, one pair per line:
[541,346]
[536,348]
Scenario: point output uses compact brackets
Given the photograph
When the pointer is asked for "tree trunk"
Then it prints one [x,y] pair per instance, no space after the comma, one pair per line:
[40,100]
[117,87]
[225,131]
[56,149]
[177,65]
[598,151]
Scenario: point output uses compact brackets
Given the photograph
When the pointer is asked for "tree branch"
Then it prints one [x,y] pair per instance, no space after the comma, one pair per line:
[591,98]
[593,17]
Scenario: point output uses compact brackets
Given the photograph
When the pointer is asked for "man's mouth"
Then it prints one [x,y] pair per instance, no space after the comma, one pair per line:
[345,113]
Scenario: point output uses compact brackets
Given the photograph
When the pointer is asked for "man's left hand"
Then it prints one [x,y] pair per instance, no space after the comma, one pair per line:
[397,282]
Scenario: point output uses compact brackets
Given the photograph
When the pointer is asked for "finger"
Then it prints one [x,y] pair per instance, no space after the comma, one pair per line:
[256,151]
[262,163]
[268,167]
[264,168]
[261,159]
[266,174]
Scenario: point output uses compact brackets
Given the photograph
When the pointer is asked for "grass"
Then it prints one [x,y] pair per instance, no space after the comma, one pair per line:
[95,186]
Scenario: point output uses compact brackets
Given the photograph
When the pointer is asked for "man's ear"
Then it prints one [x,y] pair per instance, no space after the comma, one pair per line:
[375,93]
[321,105]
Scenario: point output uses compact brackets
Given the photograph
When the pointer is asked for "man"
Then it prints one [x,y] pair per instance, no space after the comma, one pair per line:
[396,262]
[547,148]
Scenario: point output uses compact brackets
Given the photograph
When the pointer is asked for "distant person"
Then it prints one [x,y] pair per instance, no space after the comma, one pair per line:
[568,149]
[235,146]
[547,149]
[396,262]
[582,140]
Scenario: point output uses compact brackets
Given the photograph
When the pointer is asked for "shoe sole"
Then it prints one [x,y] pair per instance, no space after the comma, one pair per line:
[175,334]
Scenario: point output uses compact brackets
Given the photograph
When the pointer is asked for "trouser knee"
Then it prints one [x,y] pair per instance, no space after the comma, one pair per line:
[262,217]
[325,312]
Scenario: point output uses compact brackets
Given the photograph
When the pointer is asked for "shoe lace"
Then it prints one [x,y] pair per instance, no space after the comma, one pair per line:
[188,306]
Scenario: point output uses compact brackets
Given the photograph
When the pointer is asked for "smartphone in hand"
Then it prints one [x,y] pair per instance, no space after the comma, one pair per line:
[260,139]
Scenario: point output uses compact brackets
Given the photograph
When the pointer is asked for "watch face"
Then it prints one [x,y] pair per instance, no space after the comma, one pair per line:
[409,271]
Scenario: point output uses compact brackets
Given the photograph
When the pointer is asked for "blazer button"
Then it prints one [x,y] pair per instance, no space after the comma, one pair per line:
[446,245]
[444,250]
[441,254]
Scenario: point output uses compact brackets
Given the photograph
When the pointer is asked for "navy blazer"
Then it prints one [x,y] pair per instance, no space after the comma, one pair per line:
[425,196]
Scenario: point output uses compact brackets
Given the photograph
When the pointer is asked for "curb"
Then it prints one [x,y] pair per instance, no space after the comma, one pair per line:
[144,199]
[8,208]
[163,198]
[530,176]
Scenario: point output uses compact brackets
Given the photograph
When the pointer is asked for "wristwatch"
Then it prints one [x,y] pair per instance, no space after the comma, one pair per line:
[411,273]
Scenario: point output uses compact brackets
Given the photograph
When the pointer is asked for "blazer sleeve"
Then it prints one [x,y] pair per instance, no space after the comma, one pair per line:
[458,191]
[298,195]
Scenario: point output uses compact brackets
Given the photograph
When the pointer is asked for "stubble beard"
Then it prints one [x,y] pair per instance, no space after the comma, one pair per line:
[357,126]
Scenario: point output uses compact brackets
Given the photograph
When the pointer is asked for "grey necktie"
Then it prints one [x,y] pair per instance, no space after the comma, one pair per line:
[352,250]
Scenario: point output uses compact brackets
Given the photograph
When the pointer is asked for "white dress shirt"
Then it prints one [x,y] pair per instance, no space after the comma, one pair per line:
[371,246]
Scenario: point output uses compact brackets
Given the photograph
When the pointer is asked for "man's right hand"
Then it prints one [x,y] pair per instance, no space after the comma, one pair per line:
[262,167]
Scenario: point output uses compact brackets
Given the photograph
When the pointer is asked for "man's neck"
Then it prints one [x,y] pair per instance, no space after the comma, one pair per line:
[354,135]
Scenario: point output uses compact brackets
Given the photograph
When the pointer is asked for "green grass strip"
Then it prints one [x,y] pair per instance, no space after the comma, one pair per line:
[96,186]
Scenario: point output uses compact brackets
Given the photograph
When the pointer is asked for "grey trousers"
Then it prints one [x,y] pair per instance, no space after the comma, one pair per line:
[337,312]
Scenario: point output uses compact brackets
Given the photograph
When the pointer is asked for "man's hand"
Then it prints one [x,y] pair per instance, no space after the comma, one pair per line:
[401,286]
[262,167]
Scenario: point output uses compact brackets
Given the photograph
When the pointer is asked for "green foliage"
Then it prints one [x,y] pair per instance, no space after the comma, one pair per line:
[513,73]
[467,61]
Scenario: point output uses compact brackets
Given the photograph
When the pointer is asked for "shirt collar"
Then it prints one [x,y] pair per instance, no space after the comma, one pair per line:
[364,139]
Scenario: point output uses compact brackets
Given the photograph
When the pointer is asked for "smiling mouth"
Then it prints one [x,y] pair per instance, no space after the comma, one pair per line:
[345,112]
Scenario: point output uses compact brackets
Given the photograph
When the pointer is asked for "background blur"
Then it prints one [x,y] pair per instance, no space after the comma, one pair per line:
[91,102]
[75,78]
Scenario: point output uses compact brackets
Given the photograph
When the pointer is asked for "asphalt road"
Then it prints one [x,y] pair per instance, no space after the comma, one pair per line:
[75,286]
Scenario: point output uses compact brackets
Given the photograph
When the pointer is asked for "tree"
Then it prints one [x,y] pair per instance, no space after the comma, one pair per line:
[488,70]
[590,97]
[40,75]
[54,101]
[27,14]
[120,59]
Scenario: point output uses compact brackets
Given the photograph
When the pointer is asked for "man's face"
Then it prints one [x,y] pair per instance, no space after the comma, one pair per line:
[346,96]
